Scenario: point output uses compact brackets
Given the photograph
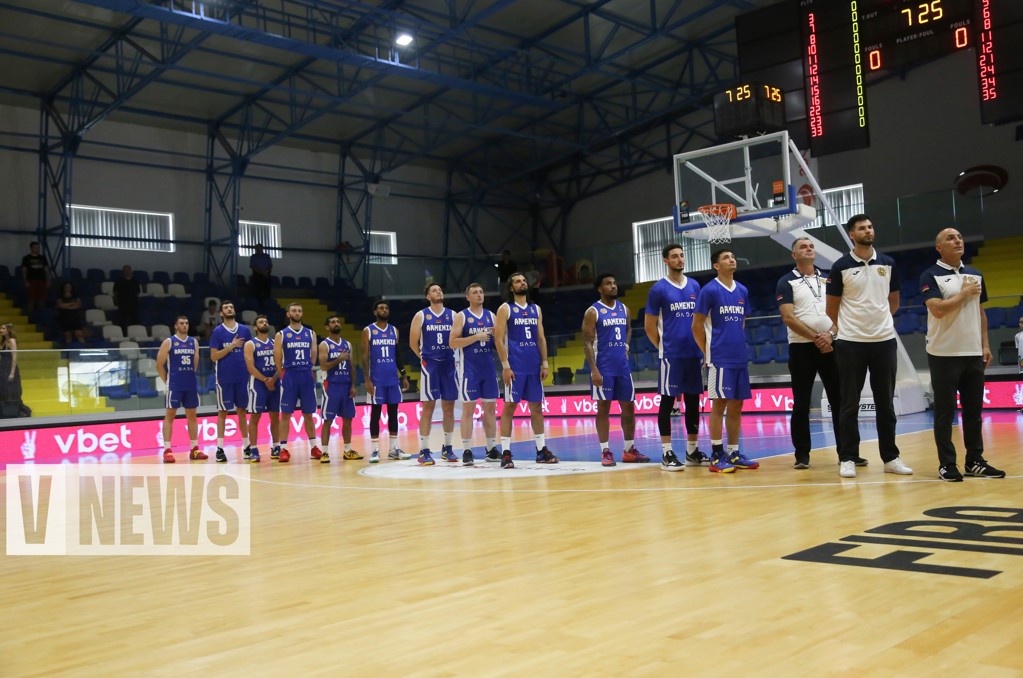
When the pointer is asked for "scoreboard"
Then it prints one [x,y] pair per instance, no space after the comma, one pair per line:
[823,55]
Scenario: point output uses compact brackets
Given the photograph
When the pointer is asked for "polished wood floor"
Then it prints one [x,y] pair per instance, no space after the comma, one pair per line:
[635,572]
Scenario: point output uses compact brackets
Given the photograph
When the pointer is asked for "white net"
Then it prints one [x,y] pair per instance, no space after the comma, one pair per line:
[718,219]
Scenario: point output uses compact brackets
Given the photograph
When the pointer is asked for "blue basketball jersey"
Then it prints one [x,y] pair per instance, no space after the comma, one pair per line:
[673,306]
[383,351]
[342,373]
[181,361]
[725,310]
[523,330]
[612,328]
[478,358]
[231,368]
[436,333]
[297,347]
[263,357]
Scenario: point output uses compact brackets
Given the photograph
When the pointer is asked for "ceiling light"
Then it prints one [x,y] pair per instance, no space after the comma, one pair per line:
[403,40]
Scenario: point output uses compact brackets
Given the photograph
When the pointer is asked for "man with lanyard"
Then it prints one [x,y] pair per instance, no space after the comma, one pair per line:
[668,323]
[800,296]
[522,350]
[384,379]
[429,337]
[335,356]
[472,337]
[293,356]
[176,363]
[606,334]
[227,345]
[958,352]
[721,314]
[264,396]
[862,297]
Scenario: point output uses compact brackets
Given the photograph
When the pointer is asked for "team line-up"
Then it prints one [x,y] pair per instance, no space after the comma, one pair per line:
[839,328]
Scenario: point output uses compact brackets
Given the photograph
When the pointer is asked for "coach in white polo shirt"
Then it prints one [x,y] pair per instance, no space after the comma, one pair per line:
[800,295]
[957,354]
[863,294]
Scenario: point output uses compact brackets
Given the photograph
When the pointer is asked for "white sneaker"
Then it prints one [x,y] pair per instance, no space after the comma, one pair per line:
[896,466]
[374,457]
[847,469]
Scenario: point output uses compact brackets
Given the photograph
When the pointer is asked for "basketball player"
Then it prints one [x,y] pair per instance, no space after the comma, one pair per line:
[335,356]
[227,345]
[472,338]
[293,356]
[429,337]
[522,349]
[264,396]
[176,363]
[721,313]
[958,352]
[669,326]
[606,334]
[383,378]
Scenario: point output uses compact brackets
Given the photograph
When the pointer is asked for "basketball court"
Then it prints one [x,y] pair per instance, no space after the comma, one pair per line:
[393,569]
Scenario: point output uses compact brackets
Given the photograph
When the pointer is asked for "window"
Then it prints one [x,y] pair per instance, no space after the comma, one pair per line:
[381,244]
[650,237]
[111,228]
[252,233]
[845,200]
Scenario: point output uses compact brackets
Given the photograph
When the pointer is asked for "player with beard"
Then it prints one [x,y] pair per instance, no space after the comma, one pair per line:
[227,350]
[522,349]
[385,380]
[176,363]
[264,396]
[335,355]
[293,356]
[606,333]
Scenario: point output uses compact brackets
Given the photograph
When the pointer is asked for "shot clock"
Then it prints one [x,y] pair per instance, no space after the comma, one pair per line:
[749,108]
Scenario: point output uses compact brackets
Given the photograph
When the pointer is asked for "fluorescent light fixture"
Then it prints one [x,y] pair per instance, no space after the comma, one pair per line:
[403,40]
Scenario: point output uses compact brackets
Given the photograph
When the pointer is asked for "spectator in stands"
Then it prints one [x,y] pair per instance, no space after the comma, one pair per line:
[505,268]
[35,273]
[958,352]
[10,375]
[262,266]
[210,319]
[69,314]
[126,296]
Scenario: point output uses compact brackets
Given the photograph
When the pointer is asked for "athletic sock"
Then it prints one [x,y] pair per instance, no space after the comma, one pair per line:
[665,447]
[691,446]
[491,443]
[604,445]
[629,444]
[376,444]
[506,443]
[424,442]
[448,436]
[220,442]
[540,443]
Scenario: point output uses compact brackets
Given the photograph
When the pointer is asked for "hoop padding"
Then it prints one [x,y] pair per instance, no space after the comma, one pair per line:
[718,219]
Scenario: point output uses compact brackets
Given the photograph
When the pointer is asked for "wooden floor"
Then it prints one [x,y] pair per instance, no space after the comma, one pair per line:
[634,572]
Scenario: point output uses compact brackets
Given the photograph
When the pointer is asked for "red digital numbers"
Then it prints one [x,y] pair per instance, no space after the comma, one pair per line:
[813,73]
[986,55]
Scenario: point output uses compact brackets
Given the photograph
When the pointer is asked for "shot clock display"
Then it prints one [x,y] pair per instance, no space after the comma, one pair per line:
[749,108]
[839,47]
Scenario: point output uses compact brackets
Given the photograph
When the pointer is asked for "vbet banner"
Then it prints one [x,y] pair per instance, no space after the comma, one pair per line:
[128,510]
[113,442]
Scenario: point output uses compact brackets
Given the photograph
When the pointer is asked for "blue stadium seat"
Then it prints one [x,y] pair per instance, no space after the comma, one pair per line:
[765,354]
[996,317]
[181,278]
[305,282]
[162,277]
[762,334]
[648,361]
[783,352]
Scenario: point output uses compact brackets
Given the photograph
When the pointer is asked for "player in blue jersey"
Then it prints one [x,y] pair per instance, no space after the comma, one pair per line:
[606,334]
[522,348]
[719,329]
[668,323]
[176,363]
[385,379]
[227,350]
[264,395]
[293,356]
[428,337]
[472,338]
[335,355]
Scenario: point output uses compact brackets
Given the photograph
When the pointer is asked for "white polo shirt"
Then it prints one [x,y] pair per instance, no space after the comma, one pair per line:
[806,294]
[864,286]
[958,332]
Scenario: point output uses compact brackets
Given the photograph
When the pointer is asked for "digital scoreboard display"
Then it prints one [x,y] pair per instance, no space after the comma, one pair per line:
[748,108]
[823,54]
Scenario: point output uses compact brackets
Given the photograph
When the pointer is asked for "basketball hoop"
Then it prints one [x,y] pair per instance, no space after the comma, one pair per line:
[718,218]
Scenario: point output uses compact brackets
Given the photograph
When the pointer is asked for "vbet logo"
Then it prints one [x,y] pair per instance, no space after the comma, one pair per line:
[133,510]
